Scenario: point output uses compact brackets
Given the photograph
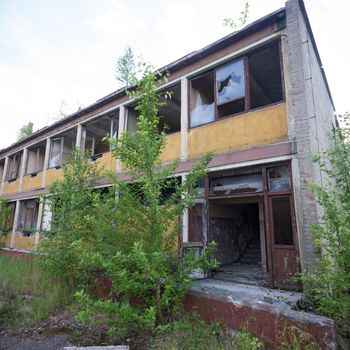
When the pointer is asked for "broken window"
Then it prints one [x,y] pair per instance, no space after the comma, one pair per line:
[236,184]
[170,112]
[282,221]
[56,152]
[261,76]
[14,166]
[61,148]
[97,131]
[265,77]
[202,99]
[28,217]
[35,159]
[230,88]
[279,179]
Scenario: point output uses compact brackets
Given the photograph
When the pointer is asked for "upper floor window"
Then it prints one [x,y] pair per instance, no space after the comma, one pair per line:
[97,130]
[248,82]
[2,168]
[35,159]
[61,148]
[14,166]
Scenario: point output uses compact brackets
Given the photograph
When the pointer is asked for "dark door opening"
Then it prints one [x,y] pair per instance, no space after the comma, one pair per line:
[237,226]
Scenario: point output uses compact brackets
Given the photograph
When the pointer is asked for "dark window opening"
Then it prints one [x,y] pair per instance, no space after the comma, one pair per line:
[282,221]
[2,168]
[169,190]
[265,77]
[196,222]
[28,217]
[35,159]
[170,113]
[202,99]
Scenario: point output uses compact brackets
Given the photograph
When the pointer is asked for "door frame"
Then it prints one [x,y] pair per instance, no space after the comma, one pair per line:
[265,196]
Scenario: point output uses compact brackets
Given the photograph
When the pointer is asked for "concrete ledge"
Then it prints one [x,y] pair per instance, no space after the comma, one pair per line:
[266,312]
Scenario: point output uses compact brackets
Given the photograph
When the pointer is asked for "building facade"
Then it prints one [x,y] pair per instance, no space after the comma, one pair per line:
[259,99]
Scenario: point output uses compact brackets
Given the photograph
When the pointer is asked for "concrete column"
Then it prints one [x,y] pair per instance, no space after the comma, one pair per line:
[38,223]
[3,180]
[78,139]
[23,168]
[15,224]
[121,129]
[184,119]
[46,162]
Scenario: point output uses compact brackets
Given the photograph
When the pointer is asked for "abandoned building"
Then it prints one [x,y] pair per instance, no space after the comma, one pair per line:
[259,99]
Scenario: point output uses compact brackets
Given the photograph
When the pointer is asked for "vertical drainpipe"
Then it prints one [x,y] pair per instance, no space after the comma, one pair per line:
[4,175]
[121,129]
[23,168]
[15,224]
[184,146]
[46,162]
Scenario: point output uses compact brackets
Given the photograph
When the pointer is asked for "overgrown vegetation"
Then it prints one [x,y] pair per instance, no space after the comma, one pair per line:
[4,216]
[131,241]
[240,21]
[327,288]
[27,294]
[126,67]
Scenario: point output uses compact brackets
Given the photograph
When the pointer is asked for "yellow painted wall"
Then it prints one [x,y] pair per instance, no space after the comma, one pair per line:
[26,243]
[107,161]
[32,183]
[11,187]
[172,148]
[6,240]
[257,128]
[53,175]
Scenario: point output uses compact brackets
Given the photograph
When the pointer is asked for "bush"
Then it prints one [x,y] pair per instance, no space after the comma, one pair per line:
[327,286]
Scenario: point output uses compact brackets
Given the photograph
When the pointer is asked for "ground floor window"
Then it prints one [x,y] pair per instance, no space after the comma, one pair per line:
[28,217]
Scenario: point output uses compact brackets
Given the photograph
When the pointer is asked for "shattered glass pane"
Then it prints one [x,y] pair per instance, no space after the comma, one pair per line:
[279,179]
[202,99]
[236,184]
[230,82]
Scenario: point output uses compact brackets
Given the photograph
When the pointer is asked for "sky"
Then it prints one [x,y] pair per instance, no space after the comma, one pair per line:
[58,55]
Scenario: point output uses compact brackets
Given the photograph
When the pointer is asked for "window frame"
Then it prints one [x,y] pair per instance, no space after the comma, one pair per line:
[61,152]
[12,159]
[32,216]
[247,102]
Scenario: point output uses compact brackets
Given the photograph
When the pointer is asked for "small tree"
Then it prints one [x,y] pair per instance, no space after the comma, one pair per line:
[4,216]
[25,131]
[126,67]
[327,289]
[128,233]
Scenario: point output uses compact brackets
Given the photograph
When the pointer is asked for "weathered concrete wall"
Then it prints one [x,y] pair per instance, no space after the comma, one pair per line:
[310,113]
[263,316]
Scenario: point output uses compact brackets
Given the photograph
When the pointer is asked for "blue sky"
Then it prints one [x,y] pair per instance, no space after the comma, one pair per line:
[61,54]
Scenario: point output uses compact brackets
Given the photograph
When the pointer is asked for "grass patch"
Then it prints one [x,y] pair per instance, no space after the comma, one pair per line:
[27,293]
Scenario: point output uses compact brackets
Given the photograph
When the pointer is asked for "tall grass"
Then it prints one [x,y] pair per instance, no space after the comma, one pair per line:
[27,293]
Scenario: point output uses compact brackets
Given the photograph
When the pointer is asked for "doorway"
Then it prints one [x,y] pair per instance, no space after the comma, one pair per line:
[237,226]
